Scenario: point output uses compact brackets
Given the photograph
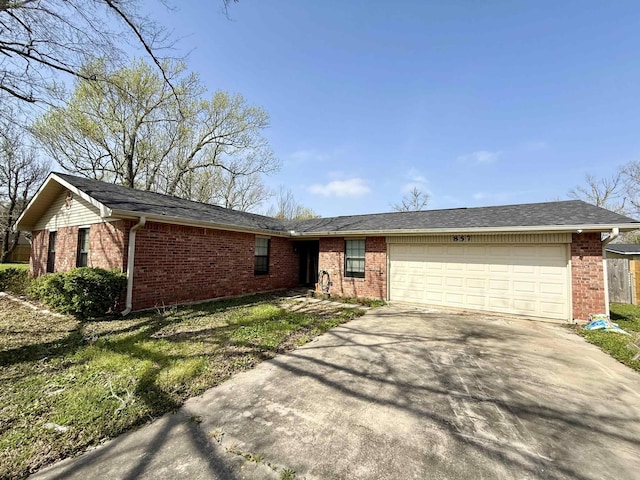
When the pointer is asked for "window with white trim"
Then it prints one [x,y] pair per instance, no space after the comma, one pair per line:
[354,258]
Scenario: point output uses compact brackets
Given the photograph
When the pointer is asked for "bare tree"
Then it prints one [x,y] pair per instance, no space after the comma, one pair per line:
[227,189]
[223,134]
[607,192]
[119,130]
[287,208]
[40,40]
[413,201]
[21,173]
[134,131]
[630,176]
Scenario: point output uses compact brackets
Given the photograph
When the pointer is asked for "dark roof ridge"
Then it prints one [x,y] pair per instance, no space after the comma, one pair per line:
[560,213]
[209,205]
[410,212]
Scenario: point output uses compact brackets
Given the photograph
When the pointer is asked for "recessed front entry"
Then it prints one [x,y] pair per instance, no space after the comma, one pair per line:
[308,252]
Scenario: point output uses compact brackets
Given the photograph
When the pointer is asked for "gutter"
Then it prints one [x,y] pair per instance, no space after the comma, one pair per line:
[287,233]
[131,252]
[128,214]
[470,230]
[615,231]
[612,236]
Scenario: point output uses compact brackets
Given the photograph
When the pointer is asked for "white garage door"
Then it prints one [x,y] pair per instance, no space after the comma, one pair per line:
[521,279]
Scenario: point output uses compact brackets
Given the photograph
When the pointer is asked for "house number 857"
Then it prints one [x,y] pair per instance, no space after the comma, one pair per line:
[462,238]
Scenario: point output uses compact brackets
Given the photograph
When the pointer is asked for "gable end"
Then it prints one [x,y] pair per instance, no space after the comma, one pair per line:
[68,209]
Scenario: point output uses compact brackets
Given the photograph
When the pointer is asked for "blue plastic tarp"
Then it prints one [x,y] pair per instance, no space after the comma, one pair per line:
[600,323]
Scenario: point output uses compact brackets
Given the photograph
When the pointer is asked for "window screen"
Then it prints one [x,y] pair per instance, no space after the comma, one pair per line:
[354,258]
[261,265]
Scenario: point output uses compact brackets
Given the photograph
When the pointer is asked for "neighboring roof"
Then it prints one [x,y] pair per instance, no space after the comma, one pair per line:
[624,248]
[570,214]
[116,201]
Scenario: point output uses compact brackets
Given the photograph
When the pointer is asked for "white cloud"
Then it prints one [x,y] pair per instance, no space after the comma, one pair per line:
[416,176]
[407,187]
[480,196]
[312,155]
[307,155]
[416,180]
[353,187]
[480,157]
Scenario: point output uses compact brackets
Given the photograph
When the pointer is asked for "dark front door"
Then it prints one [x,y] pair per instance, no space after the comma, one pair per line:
[308,252]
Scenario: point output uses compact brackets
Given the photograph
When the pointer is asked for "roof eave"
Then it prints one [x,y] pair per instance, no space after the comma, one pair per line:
[629,252]
[104,210]
[130,214]
[625,227]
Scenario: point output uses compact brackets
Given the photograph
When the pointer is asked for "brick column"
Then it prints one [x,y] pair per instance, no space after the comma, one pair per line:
[587,275]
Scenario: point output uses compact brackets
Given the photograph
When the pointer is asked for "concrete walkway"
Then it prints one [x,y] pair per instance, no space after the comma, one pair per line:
[398,394]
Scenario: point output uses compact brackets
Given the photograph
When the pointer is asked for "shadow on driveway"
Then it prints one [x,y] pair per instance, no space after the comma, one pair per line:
[400,393]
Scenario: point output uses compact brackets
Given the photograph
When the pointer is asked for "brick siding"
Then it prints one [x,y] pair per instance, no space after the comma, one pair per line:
[107,247]
[374,283]
[39,246]
[587,275]
[179,264]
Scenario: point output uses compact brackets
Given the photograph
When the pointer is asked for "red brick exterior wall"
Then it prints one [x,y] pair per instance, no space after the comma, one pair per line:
[107,247]
[179,264]
[39,247]
[374,283]
[587,275]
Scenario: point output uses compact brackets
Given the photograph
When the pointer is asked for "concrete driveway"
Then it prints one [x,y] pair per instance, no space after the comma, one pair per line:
[400,393]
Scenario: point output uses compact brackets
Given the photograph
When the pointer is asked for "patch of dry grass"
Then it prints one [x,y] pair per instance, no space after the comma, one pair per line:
[66,385]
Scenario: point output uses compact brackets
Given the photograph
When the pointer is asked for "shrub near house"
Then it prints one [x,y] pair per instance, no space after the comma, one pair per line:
[14,279]
[85,292]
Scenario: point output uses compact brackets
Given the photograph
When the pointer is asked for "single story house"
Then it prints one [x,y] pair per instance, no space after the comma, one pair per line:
[541,260]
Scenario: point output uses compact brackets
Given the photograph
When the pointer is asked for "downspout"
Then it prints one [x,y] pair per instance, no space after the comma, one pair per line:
[131,253]
[612,236]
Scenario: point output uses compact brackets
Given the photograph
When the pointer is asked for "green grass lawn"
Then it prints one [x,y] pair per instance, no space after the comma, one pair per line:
[4,266]
[66,385]
[621,347]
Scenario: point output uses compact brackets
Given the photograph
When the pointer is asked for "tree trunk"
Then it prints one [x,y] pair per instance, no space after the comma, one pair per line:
[6,251]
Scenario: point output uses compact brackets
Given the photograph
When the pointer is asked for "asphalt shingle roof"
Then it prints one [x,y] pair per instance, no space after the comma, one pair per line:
[624,248]
[117,197]
[569,213]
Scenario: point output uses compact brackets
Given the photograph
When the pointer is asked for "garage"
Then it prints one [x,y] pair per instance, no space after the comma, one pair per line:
[524,278]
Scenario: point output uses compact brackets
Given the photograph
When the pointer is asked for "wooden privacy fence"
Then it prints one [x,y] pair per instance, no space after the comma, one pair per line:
[21,253]
[624,280]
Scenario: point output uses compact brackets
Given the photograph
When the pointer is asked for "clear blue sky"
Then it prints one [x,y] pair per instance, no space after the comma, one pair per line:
[475,102]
